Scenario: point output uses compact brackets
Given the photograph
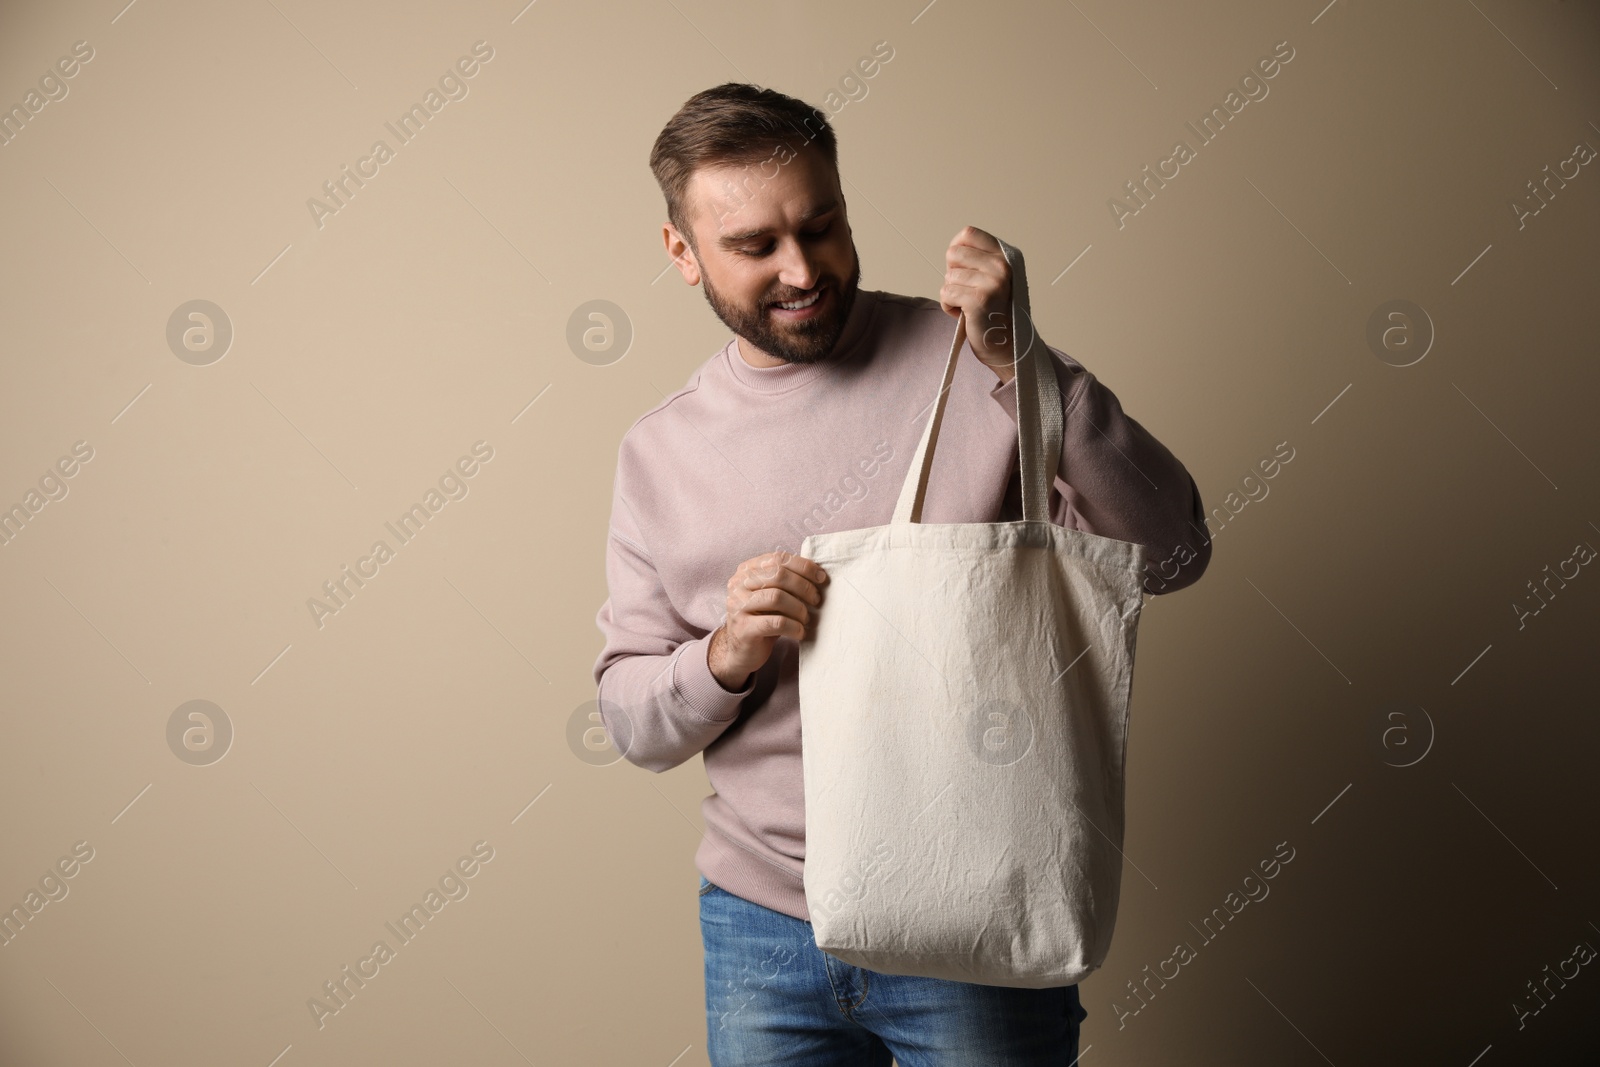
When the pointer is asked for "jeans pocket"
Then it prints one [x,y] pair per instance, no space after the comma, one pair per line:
[1076,1012]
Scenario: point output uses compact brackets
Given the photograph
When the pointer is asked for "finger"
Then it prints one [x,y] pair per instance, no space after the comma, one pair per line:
[973,237]
[808,569]
[974,301]
[785,570]
[748,626]
[768,566]
[989,261]
[978,278]
[982,263]
[981,289]
[973,256]
[770,600]
[798,585]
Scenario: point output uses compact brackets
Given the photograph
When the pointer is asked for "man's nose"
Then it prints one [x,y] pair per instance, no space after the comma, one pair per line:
[797,266]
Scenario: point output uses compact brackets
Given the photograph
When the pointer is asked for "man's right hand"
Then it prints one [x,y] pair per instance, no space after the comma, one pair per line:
[769,596]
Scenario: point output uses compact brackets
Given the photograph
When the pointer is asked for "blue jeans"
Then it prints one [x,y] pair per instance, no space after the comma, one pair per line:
[773,997]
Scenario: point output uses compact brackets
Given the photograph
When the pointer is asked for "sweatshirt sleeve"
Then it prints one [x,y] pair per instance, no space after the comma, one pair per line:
[1116,480]
[659,701]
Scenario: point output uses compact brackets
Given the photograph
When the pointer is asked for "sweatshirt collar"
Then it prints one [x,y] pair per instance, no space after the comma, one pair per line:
[786,376]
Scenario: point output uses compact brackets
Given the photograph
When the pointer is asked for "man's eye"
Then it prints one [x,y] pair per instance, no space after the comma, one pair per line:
[768,248]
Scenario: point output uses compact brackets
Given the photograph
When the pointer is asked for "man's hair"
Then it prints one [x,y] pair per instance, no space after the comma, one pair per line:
[732,123]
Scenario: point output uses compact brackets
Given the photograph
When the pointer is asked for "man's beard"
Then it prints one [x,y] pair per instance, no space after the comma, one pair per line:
[810,341]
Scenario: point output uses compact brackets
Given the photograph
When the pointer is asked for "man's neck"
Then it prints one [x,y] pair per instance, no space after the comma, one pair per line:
[746,350]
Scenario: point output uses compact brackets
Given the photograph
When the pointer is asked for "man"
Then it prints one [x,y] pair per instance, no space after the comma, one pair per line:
[806,420]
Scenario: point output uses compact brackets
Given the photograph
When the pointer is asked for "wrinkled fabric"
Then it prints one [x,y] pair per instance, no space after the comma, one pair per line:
[964,711]
[964,715]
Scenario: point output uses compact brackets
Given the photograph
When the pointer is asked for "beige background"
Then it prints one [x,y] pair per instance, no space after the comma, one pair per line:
[431,311]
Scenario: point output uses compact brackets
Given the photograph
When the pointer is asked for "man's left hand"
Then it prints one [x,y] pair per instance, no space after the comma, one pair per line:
[977,285]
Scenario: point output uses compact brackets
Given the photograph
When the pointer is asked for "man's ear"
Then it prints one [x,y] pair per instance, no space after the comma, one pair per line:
[683,256]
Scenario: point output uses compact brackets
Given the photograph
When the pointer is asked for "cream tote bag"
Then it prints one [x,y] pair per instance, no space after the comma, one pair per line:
[964,697]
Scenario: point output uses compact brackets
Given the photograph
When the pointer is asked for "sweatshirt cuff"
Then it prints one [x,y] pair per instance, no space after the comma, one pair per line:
[699,689]
[1005,393]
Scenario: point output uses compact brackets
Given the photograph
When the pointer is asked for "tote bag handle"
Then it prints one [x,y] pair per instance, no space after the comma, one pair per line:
[1039,421]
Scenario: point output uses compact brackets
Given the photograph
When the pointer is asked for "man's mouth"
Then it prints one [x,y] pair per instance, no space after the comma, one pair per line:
[799,309]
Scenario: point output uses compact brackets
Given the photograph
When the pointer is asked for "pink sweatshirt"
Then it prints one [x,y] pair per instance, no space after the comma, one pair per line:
[745,459]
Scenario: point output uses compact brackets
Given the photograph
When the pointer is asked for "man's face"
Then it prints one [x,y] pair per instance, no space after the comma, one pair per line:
[764,240]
